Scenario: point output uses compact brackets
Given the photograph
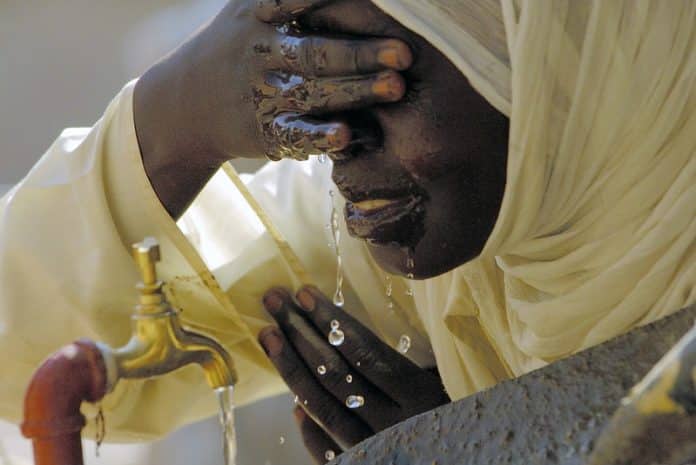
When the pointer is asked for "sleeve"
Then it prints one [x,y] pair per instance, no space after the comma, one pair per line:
[66,273]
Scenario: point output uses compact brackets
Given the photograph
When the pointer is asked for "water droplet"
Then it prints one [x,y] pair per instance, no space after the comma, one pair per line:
[355,401]
[357,363]
[330,455]
[335,324]
[390,304]
[281,440]
[322,158]
[305,402]
[409,276]
[349,378]
[410,263]
[389,286]
[321,369]
[404,344]
[336,337]
[409,292]
[338,299]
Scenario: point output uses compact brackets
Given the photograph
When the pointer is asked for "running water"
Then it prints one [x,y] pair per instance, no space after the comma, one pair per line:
[410,265]
[229,436]
[338,298]
[389,290]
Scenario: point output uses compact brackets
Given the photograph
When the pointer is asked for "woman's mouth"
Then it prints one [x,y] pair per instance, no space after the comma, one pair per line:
[397,221]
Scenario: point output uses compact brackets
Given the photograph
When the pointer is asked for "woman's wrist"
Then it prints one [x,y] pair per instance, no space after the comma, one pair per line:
[176,159]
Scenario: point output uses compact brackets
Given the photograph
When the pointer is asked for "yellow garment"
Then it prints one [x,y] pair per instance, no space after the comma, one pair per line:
[595,235]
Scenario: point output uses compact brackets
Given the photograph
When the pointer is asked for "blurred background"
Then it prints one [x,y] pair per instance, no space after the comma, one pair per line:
[61,62]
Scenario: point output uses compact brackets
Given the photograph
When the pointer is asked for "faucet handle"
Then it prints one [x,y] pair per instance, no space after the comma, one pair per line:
[146,254]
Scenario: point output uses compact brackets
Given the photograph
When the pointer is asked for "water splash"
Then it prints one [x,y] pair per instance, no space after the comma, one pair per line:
[355,401]
[389,290]
[229,436]
[410,265]
[338,299]
[404,344]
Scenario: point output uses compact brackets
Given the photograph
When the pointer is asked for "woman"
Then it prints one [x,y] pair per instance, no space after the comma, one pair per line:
[577,228]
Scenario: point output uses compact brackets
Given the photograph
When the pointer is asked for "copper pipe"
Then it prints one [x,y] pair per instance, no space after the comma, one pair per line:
[52,418]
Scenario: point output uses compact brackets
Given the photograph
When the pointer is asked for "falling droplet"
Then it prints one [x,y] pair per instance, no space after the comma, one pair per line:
[410,263]
[321,369]
[404,344]
[322,158]
[336,337]
[330,455]
[409,290]
[389,288]
[305,402]
[335,324]
[338,298]
[355,401]
[281,440]
[349,379]
[296,400]
[357,363]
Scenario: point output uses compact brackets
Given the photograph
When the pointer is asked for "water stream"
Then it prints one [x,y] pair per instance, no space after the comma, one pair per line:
[338,298]
[229,436]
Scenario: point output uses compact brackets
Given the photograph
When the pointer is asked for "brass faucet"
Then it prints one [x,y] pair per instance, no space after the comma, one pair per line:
[159,343]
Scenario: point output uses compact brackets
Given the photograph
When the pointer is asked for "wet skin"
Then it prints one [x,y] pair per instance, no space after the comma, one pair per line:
[444,154]
[244,88]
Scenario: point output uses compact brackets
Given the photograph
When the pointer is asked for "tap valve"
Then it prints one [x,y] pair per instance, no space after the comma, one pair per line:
[146,255]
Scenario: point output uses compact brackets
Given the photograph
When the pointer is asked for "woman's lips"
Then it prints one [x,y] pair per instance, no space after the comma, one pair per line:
[386,221]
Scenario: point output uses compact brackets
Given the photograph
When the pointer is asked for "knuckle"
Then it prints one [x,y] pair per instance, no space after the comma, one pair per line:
[325,412]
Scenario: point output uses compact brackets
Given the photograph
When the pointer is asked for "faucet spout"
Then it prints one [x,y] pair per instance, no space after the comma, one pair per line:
[159,343]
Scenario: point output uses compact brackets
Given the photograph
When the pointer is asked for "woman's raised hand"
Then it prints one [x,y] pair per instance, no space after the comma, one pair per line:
[250,84]
[386,386]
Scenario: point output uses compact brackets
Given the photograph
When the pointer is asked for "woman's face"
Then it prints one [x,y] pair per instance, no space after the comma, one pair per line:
[427,197]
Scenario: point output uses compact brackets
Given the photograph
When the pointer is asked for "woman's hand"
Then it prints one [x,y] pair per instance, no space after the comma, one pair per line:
[388,387]
[242,87]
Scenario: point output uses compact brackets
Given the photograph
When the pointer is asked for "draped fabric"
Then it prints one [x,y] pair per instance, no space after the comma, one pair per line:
[597,226]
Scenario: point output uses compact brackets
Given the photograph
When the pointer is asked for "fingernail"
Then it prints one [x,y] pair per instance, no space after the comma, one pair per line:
[306,300]
[338,136]
[395,54]
[300,414]
[271,341]
[389,85]
[272,301]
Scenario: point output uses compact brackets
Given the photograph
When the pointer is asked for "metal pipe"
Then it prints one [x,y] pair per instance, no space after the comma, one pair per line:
[52,418]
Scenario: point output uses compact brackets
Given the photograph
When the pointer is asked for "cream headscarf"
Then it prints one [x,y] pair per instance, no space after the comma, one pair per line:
[597,227]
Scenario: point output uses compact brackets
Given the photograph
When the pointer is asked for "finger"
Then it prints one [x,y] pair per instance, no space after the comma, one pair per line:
[281,11]
[320,445]
[328,366]
[296,136]
[348,429]
[383,366]
[330,95]
[321,56]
